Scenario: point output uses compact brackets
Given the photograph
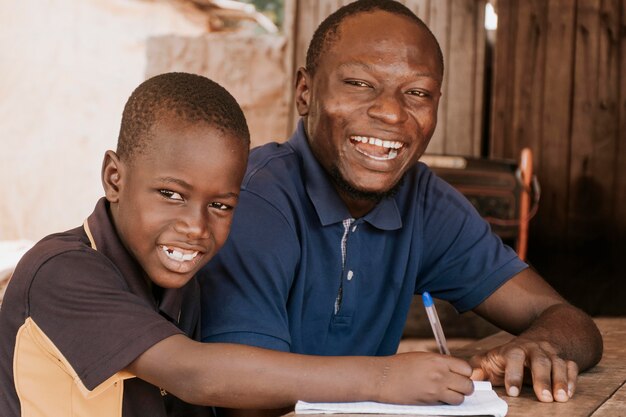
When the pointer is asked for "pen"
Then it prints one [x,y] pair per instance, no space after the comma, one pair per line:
[435,323]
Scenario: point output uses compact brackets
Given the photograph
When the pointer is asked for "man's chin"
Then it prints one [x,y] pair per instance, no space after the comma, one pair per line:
[359,194]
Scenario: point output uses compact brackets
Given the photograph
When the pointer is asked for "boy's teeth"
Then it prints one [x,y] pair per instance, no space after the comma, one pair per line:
[179,256]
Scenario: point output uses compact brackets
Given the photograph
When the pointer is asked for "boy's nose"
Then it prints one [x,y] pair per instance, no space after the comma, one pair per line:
[195,223]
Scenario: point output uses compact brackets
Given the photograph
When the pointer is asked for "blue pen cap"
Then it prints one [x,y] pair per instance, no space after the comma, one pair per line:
[428,300]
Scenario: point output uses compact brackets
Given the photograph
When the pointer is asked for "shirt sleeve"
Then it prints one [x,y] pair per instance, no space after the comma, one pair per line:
[82,303]
[245,287]
[464,261]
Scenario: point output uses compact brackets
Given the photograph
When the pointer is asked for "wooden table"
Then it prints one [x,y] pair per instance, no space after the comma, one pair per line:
[600,392]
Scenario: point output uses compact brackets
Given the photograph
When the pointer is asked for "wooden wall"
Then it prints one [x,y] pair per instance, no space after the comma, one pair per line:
[560,88]
[459,28]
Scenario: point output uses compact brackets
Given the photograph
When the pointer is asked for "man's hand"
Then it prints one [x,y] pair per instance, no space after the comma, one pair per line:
[552,378]
[555,339]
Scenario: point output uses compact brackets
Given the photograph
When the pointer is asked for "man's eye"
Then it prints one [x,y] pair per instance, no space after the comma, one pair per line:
[172,195]
[418,93]
[220,206]
[357,83]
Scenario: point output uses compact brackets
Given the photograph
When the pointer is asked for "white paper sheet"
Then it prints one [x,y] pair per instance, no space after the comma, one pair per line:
[484,401]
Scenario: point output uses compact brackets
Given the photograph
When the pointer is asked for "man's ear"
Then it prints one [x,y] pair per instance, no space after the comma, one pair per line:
[112,169]
[303,91]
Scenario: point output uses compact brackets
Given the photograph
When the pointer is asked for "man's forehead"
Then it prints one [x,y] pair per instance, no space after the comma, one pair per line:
[367,28]
[356,36]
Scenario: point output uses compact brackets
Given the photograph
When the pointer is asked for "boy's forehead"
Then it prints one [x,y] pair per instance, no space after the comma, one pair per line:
[179,133]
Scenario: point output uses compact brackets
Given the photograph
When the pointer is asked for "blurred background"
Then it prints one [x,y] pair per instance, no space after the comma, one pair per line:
[549,75]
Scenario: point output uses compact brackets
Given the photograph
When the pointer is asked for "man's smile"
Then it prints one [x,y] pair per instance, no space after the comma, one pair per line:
[376,148]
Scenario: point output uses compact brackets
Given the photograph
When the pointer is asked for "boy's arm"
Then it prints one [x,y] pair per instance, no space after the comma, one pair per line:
[554,339]
[239,376]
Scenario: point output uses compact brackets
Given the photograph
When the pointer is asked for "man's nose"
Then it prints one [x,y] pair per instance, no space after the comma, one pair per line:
[388,107]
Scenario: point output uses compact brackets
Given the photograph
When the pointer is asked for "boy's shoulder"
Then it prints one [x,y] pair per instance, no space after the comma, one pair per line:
[53,245]
[59,258]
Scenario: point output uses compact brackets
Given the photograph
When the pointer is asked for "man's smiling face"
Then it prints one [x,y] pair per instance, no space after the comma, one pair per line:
[370,108]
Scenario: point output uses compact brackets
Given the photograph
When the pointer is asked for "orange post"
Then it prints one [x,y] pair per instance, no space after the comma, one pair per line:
[526,170]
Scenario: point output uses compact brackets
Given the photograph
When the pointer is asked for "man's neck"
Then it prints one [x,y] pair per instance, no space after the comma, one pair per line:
[357,207]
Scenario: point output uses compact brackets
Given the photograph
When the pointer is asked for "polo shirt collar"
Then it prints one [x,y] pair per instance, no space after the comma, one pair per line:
[329,206]
[100,228]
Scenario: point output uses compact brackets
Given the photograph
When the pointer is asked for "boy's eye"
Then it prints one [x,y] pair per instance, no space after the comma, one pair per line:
[172,195]
[220,206]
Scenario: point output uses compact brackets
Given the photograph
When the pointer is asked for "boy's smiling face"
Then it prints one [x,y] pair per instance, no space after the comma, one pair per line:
[172,203]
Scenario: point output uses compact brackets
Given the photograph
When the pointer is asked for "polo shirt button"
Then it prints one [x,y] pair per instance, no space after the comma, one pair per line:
[354,228]
[350,275]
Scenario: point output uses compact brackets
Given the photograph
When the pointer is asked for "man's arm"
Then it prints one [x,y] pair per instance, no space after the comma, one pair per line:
[239,376]
[554,339]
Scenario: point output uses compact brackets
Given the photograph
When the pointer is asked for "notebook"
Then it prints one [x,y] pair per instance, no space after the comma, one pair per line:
[484,401]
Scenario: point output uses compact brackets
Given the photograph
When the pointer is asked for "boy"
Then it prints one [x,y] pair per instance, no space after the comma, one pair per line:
[99,320]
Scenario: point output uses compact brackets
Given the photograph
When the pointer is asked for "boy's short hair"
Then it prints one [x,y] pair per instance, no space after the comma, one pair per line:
[189,97]
[326,33]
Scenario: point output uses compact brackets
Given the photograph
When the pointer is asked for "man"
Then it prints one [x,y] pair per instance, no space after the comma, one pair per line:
[338,228]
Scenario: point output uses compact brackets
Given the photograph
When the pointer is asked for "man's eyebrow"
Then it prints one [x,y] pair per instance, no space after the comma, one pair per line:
[355,64]
[367,67]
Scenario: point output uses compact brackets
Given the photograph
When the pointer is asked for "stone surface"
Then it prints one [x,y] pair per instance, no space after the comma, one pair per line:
[251,67]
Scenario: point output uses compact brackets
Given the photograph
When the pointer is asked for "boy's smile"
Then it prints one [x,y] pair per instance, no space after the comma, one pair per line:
[173,202]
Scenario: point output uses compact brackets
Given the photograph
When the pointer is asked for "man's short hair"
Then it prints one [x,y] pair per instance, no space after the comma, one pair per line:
[326,33]
[189,97]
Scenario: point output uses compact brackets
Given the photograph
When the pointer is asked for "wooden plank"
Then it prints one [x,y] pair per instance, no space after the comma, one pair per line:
[420,7]
[615,406]
[528,80]
[479,105]
[504,71]
[594,130]
[552,153]
[290,31]
[619,206]
[467,34]
[439,24]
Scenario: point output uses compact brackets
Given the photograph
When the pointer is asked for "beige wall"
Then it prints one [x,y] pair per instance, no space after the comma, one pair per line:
[252,68]
[66,70]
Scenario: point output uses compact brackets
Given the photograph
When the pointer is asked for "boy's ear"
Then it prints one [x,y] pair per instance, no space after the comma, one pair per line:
[112,169]
[303,91]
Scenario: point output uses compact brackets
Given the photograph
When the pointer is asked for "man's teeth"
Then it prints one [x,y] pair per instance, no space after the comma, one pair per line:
[179,256]
[393,144]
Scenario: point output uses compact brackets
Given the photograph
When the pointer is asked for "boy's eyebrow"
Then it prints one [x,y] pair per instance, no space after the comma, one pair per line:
[188,186]
[180,182]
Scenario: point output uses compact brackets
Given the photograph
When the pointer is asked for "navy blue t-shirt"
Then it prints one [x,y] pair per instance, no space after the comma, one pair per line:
[298,274]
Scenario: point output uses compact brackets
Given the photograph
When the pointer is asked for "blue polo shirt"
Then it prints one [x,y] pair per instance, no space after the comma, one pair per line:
[298,274]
